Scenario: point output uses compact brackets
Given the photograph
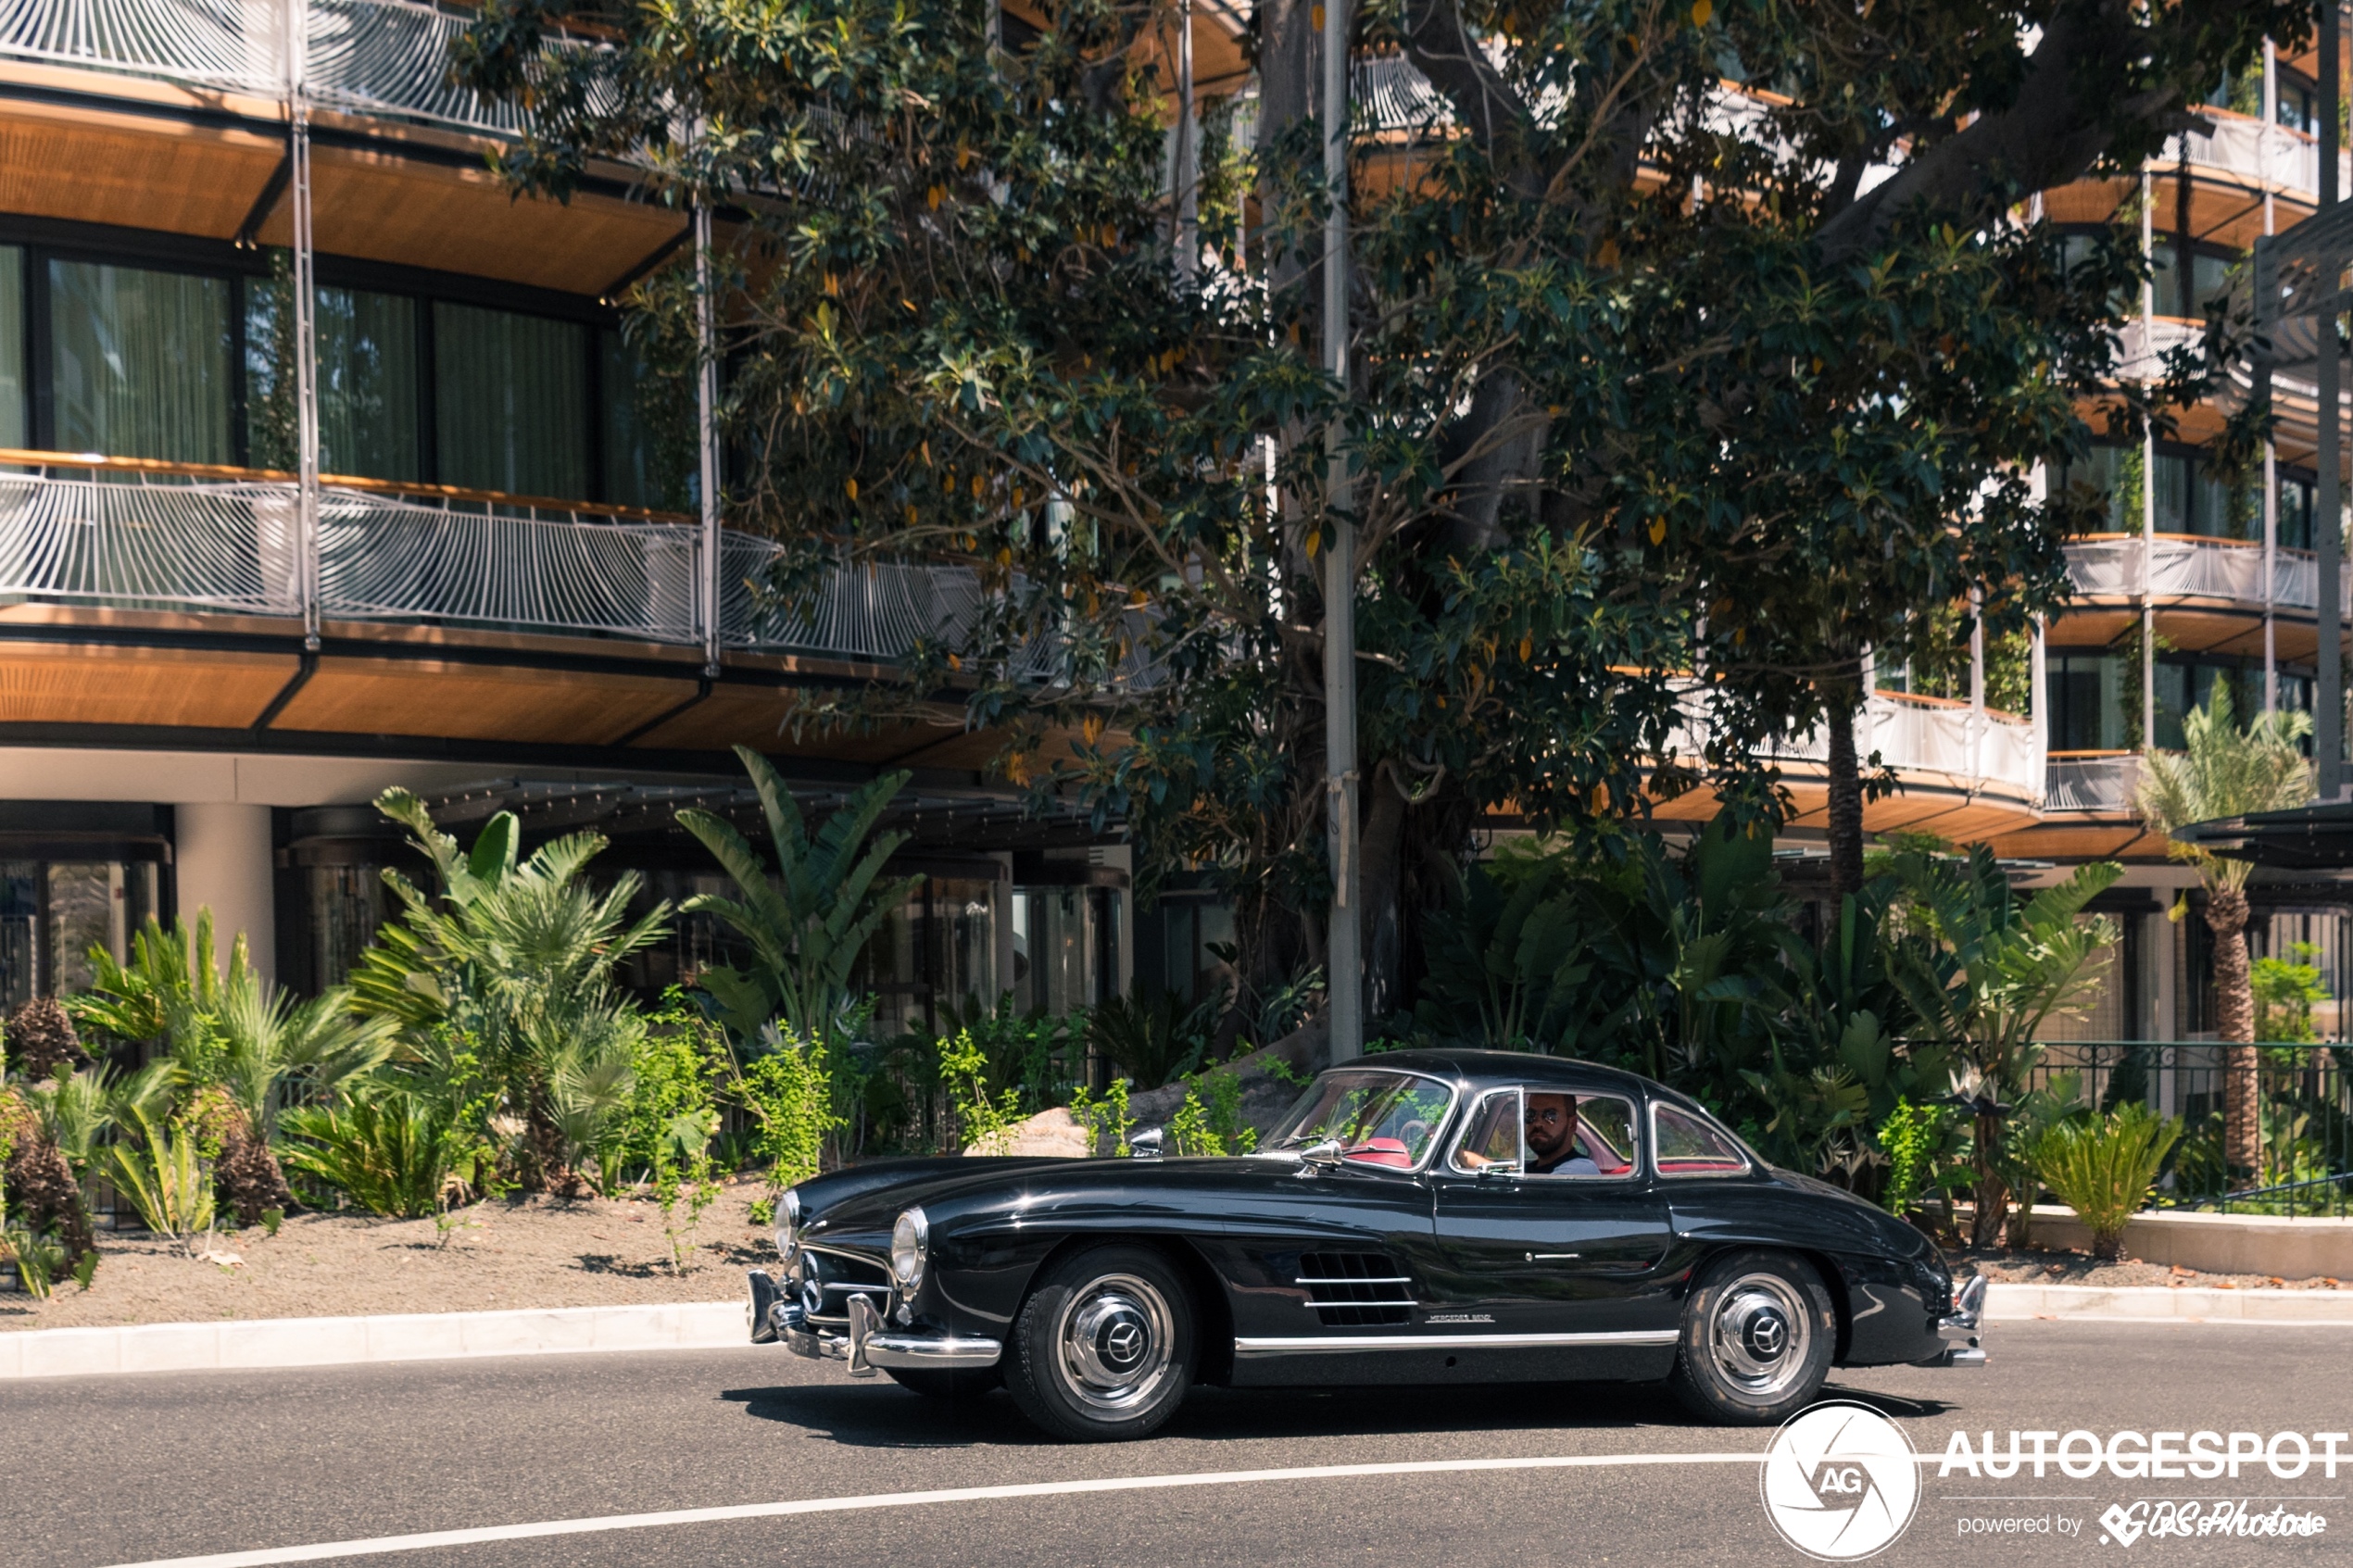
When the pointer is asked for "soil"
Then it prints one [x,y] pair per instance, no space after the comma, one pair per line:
[525,1252]
[2045,1266]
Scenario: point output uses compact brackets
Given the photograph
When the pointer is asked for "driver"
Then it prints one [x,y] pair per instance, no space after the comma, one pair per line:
[1551,1137]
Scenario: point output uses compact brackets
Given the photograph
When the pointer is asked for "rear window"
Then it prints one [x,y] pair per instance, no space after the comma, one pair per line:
[1684,1145]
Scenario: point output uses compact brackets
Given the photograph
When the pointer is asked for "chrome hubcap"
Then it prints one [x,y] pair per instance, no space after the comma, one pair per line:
[1116,1344]
[1760,1335]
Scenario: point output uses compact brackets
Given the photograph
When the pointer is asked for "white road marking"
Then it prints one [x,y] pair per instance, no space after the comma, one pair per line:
[323,1551]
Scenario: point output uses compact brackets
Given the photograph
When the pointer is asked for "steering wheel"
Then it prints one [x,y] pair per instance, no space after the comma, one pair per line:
[1414,1133]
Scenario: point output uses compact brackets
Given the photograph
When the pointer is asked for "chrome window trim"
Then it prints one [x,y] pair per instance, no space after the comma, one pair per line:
[1471,1119]
[1633,1124]
[1748,1162]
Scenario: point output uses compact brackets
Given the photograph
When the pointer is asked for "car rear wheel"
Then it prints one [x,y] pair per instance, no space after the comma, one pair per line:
[945,1382]
[1102,1350]
[1758,1334]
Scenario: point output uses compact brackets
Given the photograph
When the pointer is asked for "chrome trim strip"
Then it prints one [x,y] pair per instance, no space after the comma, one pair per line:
[921,1350]
[1363,1303]
[1325,1344]
[1376,1279]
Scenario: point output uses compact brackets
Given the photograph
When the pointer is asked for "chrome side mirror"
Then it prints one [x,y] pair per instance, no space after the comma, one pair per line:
[1330,1155]
[1146,1144]
[1499,1171]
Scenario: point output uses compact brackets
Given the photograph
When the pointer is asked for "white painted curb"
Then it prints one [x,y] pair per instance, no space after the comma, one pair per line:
[712,1325]
[2162,1303]
[300,1342]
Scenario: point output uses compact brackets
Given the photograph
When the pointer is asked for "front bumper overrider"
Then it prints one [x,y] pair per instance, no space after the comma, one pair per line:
[869,1345]
[1959,1328]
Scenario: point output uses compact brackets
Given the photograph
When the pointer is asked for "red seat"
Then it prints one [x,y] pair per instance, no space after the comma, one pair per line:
[1383,1151]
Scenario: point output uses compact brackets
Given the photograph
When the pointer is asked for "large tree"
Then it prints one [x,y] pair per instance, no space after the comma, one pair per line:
[1667,403]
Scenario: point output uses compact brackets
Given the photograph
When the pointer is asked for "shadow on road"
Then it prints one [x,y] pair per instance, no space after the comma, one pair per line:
[882,1415]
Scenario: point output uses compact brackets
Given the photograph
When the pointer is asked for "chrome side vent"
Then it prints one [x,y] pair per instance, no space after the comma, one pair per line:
[1356,1289]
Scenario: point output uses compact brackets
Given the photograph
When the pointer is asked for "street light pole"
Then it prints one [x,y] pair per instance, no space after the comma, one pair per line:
[2328,543]
[1343,945]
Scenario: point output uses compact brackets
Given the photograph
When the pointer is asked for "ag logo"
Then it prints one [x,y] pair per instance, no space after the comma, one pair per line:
[1840,1482]
[2125,1527]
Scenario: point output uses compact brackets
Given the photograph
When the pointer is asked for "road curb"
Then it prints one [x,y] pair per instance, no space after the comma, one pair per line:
[262,1343]
[2162,1303]
[304,1342]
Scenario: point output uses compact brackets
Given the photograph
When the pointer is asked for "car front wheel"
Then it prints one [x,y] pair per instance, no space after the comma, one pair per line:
[1758,1334]
[1103,1349]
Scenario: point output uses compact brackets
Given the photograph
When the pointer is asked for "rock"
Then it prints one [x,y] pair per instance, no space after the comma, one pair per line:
[1050,1133]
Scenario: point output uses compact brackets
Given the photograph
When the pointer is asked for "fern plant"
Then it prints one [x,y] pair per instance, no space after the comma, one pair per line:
[2103,1170]
[163,1172]
[391,1153]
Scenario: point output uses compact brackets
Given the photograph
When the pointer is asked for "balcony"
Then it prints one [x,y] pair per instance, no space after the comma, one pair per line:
[2181,566]
[2093,782]
[160,536]
[1930,741]
[378,58]
[2257,155]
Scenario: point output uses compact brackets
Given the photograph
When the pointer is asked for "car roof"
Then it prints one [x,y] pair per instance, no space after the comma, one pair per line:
[1476,1069]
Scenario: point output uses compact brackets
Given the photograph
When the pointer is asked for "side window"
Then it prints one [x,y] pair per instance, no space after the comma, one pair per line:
[1490,1138]
[1689,1147]
[1578,1135]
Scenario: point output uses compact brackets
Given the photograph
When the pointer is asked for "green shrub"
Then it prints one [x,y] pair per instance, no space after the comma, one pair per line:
[162,1171]
[787,1091]
[1923,1145]
[39,1260]
[2103,1170]
[1153,1039]
[984,1122]
[392,1153]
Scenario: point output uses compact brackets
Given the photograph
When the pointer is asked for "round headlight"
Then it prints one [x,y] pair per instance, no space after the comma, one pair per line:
[789,1226]
[909,1240]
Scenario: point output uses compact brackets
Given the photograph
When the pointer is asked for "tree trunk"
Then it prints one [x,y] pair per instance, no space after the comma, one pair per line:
[1380,890]
[1993,1195]
[1844,784]
[2234,1015]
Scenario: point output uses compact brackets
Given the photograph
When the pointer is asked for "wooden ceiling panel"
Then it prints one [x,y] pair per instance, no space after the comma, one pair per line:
[141,173]
[754,716]
[2077,841]
[40,684]
[380,208]
[478,702]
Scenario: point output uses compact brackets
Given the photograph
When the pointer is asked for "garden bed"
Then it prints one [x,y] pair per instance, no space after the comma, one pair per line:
[527,1252]
[2048,1266]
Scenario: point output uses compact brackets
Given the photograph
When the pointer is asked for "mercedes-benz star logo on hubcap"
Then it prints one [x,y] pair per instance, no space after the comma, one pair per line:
[1767,1335]
[1123,1344]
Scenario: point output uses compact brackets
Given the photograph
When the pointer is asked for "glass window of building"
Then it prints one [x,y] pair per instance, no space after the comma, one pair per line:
[2091,695]
[511,402]
[2111,472]
[2294,513]
[368,392]
[14,406]
[139,363]
[54,912]
[2297,105]
[644,464]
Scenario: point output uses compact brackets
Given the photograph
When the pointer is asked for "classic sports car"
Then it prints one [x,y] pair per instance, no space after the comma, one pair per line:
[1423,1217]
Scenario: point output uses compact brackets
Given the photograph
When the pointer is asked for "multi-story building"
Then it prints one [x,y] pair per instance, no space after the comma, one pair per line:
[498,590]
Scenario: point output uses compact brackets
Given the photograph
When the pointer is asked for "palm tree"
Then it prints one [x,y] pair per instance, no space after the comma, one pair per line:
[2226,772]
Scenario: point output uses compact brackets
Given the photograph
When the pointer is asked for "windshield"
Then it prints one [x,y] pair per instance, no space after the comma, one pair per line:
[1380,1118]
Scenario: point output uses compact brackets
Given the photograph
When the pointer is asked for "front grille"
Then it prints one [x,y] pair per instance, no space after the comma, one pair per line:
[1356,1289]
[840,1277]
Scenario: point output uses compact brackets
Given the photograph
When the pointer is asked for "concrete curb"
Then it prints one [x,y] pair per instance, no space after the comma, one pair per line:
[2162,1303]
[301,1342]
[710,1326]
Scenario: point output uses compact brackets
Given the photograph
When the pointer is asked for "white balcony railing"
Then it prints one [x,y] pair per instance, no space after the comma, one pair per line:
[231,547]
[2244,148]
[2101,782]
[370,56]
[1912,734]
[2185,567]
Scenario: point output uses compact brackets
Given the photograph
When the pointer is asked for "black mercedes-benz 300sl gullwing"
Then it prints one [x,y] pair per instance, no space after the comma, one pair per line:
[1421,1217]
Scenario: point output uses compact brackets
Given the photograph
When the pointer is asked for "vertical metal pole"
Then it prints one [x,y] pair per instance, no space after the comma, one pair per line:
[305,312]
[2328,538]
[707,434]
[1976,685]
[2148,480]
[2271,452]
[1187,150]
[1343,941]
[2038,696]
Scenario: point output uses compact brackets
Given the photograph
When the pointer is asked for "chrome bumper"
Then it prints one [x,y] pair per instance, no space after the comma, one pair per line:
[1959,1329]
[868,1346]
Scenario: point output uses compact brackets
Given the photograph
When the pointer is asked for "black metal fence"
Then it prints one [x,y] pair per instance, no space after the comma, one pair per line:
[2304,1114]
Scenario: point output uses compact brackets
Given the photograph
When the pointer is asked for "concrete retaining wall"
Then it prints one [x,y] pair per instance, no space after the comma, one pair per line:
[2218,1244]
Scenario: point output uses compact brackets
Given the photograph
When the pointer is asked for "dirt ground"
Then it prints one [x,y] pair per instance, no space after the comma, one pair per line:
[2040,1266]
[530,1252]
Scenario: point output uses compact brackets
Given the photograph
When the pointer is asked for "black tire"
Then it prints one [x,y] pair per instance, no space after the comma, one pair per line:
[1103,1349]
[1759,1330]
[945,1382]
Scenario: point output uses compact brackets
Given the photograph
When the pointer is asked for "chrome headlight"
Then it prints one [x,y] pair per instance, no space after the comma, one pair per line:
[789,1226]
[910,1243]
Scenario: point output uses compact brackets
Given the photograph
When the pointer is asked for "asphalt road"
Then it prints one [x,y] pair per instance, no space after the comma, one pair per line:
[116,1470]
